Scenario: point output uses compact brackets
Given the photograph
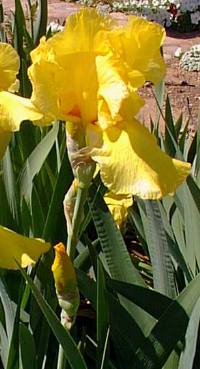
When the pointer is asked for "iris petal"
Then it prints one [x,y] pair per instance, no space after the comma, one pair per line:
[138,45]
[92,69]
[84,32]
[112,88]
[9,65]
[131,162]
[14,246]
[14,109]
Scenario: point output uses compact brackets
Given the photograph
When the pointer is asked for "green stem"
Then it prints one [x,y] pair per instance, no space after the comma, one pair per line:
[76,220]
[71,247]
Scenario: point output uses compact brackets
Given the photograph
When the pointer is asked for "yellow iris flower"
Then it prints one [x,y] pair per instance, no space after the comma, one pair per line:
[89,74]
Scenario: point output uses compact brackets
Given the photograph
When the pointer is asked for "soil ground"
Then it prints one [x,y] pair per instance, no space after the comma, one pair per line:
[183,87]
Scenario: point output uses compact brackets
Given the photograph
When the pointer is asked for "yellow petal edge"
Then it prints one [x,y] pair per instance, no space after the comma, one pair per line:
[15,247]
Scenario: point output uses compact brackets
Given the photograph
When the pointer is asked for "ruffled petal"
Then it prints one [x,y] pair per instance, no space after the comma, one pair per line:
[111,63]
[138,44]
[111,86]
[9,65]
[131,162]
[84,32]
[117,100]
[64,68]
[69,92]
[14,246]
[47,78]
[43,51]
[14,109]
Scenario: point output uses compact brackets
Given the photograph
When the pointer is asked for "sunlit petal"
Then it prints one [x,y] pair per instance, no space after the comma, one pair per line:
[131,162]
[84,32]
[46,86]
[130,106]
[92,69]
[14,109]
[64,67]
[14,246]
[117,100]
[138,44]
[112,88]
[68,91]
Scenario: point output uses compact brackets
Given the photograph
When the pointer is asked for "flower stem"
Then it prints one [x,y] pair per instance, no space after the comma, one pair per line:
[71,246]
[76,220]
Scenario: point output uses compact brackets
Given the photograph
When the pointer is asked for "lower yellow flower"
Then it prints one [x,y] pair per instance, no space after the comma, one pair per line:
[15,247]
[118,206]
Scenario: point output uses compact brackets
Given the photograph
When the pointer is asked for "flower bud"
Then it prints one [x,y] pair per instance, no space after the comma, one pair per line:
[66,285]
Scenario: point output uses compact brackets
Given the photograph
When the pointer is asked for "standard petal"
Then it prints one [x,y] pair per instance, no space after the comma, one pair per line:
[15,247]
[112,88]
[64,68]
[131,162]
[138,45]
[14,109]
[85,31]
[117,99]
[44,76]
[69,92]
[9,65]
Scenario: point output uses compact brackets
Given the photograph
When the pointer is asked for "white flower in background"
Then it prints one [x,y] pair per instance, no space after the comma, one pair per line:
[155,3]
[159,10]
[54,27]
[178,52]
[188,5]
[195,17]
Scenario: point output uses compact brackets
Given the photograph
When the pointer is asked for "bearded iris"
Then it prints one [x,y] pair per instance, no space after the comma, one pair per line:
[89,75]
